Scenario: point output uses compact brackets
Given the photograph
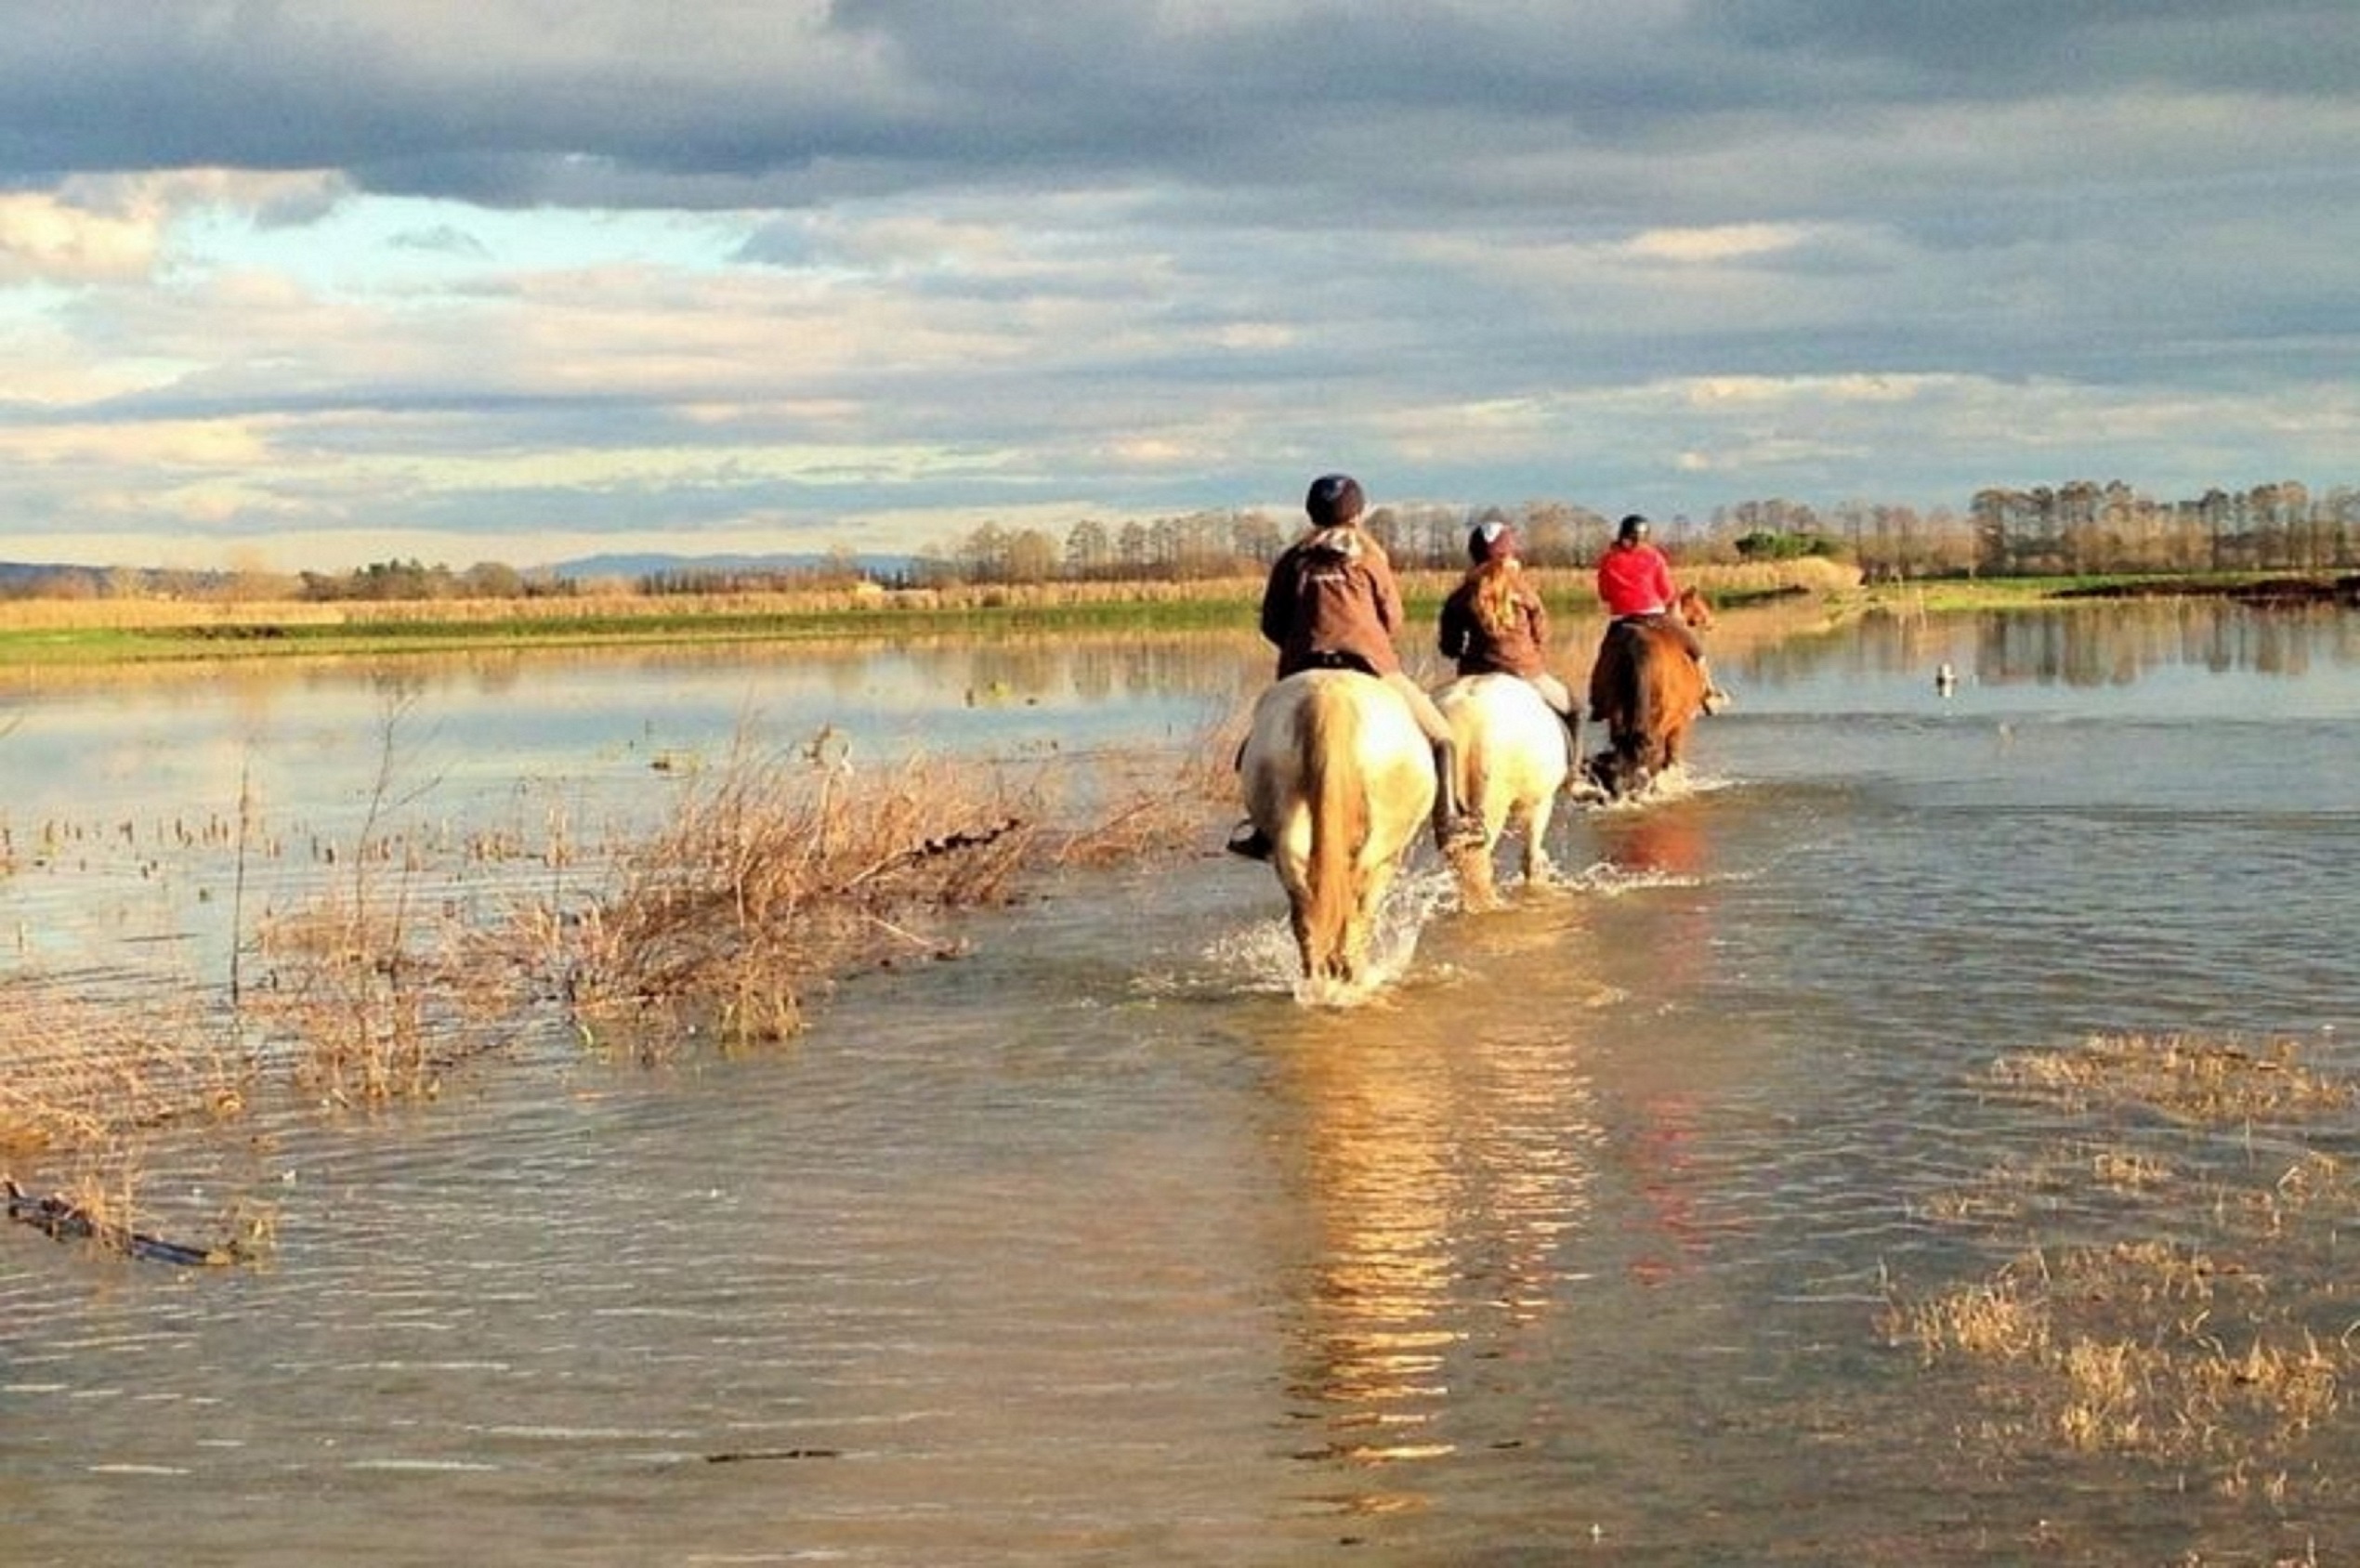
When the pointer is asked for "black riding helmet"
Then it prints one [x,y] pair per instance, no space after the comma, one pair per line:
[1633,529]
[1335,499]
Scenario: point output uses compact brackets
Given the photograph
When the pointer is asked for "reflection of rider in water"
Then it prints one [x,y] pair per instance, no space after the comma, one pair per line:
[1636,582]
[1331,603]
[1494,622]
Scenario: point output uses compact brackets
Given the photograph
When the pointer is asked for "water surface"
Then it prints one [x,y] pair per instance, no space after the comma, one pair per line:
[1098,1247]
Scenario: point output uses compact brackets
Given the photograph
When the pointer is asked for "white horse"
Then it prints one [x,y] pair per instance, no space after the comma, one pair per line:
[1513,756]
[1338,778]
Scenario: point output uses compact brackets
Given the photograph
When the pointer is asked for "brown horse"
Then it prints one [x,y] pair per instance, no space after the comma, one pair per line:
[1340,778]
[1647,691]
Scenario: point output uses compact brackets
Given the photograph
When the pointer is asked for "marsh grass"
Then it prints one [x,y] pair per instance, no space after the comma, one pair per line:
[2190,1080]
[772,874]
[89,1081]
[413,954]
[2210,1344]
[85,1072]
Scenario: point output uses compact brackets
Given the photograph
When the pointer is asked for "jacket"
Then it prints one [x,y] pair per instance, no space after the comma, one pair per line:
[1635,579]
[1332,593]
[1520,648]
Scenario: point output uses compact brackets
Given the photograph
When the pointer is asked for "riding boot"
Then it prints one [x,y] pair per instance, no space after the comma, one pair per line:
[1715,698]
[1250,841]
[1454,826]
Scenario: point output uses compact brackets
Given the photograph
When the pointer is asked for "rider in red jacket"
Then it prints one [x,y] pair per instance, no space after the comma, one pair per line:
[1636,582]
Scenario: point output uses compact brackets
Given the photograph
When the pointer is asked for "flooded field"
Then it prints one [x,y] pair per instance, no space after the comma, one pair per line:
[1921,1138]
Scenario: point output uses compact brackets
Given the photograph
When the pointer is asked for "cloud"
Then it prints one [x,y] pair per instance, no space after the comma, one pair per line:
[448,270]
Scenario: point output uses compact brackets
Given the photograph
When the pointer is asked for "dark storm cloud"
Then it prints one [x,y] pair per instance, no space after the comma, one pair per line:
[724,102]
[2011,49]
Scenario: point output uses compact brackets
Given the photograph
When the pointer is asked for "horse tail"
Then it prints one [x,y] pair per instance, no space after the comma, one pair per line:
[1328,732]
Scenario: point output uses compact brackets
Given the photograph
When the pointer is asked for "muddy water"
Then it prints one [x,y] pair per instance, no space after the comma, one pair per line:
[1097,1246]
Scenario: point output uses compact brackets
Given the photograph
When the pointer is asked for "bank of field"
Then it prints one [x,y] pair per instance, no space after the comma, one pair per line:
[137,630]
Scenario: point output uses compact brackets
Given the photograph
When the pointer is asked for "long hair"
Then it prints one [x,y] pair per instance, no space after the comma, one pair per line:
[1499,609]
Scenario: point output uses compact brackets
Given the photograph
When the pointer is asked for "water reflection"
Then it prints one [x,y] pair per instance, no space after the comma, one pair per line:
[2115,646]
[1441,1174]
[1582,1228]
[2080,646]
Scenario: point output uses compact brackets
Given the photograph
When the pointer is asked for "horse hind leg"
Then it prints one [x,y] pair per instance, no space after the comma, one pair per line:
[1537,818]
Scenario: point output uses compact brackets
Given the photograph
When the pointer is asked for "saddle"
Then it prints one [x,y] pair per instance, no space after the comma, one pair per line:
[1333,659]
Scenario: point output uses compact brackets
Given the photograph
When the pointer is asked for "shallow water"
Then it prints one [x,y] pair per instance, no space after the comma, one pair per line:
[1098,1247]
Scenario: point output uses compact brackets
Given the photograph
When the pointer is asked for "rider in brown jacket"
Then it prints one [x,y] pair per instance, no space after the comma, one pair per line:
[1331,602]
[1494,622]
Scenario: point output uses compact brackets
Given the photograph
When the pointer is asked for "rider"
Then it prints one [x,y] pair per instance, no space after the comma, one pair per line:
[1636,582]
[1494,622]
[1331,602]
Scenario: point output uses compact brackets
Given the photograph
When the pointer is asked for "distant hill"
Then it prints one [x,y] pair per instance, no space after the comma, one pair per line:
[37,571]
[39,576]
[634,566]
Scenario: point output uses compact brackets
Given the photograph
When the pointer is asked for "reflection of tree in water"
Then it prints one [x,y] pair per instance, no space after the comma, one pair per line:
[2116,644]
[2088,644]
[1097,667]
[1441,1174]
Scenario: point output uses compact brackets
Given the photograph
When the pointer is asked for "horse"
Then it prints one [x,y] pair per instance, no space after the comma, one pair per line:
[1647,691]
[1340,778]
[1514,754]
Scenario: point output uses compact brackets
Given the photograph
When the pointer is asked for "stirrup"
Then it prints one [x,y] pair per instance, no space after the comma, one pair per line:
[1462,832]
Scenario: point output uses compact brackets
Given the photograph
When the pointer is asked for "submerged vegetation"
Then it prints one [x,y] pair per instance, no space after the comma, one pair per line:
[773,876]
[2169,1291]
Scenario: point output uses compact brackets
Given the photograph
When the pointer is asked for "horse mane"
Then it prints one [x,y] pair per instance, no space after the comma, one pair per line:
[1326,738]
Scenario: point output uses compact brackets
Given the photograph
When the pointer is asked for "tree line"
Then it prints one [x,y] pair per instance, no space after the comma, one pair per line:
[2079,527]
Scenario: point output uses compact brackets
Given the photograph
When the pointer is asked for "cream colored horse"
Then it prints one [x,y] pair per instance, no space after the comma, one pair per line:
[1338,778]
[1513,756]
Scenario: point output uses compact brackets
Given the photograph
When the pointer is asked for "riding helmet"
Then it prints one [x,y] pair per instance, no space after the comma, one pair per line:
[1490,541]
[1633,529]
[1335,499]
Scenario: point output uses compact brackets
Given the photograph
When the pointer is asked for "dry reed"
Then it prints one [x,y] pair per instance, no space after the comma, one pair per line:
[2190,1080]
[2200,1347]
[84,1072]
[775,873]
[89,1081]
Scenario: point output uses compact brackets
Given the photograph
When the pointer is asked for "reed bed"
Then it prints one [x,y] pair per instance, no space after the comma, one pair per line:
[89,1081]
[416,955]
[1568,587]
[773,874]
[2203,1336]
[84,1072]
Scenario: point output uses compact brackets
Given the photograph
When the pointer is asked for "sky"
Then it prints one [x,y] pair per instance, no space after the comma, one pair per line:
[302,286]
